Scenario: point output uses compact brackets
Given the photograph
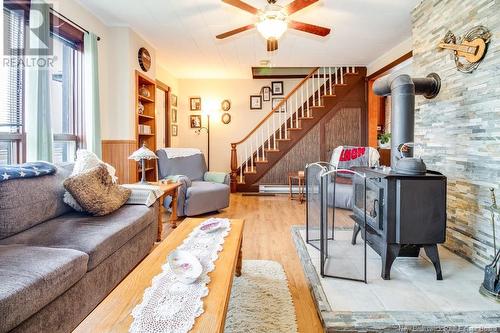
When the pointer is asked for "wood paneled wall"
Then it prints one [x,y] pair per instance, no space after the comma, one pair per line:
[344,129]
[116,153]
[306,151]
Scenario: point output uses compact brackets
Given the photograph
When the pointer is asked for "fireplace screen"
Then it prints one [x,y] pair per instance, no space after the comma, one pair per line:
[331,222]
[313,201]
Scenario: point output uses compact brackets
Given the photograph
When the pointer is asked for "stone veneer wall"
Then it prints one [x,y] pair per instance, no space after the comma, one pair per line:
[460,129]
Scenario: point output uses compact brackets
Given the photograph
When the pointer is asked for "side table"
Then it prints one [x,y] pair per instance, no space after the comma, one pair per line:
[300,178]
[168,189]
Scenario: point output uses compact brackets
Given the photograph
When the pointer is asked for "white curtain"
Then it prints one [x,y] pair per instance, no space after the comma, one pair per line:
[91,91]
[38,118]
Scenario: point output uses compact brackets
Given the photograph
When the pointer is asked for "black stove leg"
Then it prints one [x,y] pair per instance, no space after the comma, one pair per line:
[433,254]
[355,232]
[390,254]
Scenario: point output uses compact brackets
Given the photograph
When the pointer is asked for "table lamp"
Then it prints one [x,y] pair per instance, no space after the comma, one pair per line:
[141,155]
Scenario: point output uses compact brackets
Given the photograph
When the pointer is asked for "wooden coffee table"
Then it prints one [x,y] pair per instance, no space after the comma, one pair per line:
[114,313]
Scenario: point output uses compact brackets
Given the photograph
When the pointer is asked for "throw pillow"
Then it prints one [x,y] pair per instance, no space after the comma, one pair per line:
[95,191]
[85,160]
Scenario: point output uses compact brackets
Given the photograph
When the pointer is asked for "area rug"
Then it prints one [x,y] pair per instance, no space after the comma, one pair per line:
[260,300]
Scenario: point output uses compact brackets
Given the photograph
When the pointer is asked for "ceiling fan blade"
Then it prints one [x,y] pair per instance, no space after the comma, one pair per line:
[298,5]
[243,6]
[310,28]
[235,31]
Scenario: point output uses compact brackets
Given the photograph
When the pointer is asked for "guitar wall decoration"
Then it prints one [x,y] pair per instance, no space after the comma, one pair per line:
[470,49]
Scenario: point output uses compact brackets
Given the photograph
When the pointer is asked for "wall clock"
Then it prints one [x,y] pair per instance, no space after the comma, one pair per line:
[225,105]
[144,59]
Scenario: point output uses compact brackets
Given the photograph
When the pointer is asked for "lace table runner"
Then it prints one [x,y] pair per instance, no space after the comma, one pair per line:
[169,306]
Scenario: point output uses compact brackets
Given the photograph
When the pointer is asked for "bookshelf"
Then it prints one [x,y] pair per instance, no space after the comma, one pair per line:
[145,122]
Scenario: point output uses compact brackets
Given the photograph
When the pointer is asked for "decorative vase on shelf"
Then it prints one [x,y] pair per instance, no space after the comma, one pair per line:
[144,91]
[140,108]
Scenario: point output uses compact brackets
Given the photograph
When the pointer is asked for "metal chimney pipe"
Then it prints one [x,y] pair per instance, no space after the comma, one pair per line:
[403,90]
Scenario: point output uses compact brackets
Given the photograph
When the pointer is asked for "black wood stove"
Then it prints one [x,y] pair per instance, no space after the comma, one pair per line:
[404,214]
[406,206]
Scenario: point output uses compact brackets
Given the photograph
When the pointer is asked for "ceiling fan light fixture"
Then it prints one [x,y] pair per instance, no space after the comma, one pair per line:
[273,22]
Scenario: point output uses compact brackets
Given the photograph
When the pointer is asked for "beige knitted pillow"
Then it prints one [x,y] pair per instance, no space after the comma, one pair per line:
[95,191]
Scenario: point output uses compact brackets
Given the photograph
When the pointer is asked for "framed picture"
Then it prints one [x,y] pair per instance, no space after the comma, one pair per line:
[174,116]
[256,102]
[276,101]
[266,94]
[195,104]
[174,130]
[225,105]
[195,121]
[277,87]
[226,118]
[173,98]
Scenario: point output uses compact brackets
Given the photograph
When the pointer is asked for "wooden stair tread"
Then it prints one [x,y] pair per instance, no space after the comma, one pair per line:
[305,118]
[261,161]
[295,129]
[287,139]
[329,96]
[271,150]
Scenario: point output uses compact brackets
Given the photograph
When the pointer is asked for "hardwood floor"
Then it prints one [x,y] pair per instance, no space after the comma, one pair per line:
[267,236]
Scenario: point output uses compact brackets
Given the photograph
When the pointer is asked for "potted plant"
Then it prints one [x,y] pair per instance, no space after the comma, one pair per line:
[384,140]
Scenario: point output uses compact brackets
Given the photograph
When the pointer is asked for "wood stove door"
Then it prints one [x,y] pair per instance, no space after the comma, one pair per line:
[374,204]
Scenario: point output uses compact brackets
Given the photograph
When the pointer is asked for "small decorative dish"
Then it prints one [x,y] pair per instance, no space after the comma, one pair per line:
[185,266]
[211,225]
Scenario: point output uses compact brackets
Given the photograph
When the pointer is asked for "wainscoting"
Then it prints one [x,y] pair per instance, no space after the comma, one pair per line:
[116,153]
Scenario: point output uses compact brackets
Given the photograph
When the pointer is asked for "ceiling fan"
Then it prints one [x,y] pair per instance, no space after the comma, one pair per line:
[273,21]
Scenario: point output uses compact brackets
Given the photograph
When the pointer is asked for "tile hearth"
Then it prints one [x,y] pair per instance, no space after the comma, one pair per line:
[412,299]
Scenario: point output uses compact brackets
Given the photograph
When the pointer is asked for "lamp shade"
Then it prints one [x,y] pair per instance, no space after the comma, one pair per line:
[273,22]
[143,153]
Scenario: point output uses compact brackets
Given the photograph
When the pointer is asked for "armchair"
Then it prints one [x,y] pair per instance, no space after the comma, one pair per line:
[202,191]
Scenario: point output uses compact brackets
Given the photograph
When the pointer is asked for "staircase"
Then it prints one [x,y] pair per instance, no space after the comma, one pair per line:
[314,97]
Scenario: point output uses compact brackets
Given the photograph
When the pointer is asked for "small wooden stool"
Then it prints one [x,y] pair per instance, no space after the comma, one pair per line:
[299,177]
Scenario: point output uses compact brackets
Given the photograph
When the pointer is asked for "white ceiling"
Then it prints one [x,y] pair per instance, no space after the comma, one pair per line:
[183,32]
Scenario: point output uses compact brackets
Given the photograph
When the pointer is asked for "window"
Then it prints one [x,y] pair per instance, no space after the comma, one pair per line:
[12,92]
[65,100]
[66,84]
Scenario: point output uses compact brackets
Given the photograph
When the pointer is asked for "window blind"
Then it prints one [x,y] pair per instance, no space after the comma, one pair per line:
[11,112]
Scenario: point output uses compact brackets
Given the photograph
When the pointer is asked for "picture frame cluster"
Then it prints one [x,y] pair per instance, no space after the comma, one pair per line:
[265,95]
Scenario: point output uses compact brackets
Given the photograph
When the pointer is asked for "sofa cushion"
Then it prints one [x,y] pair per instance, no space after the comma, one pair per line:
[99,237]
[95,191]
[32,277]
[204,197]
[28,202]
[86,160]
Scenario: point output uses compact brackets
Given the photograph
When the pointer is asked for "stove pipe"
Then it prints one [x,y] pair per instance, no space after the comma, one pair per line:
[403,90]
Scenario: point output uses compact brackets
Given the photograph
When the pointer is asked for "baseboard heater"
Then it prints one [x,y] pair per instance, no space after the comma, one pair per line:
[278,189]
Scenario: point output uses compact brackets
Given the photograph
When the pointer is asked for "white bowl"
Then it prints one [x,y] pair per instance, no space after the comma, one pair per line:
[211,225]
[186,267]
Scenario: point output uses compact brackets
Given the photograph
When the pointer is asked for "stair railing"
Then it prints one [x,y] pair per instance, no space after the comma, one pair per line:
[274,127]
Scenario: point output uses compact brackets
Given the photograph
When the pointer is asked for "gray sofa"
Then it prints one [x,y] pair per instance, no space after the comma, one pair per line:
[196,195]
[57,265]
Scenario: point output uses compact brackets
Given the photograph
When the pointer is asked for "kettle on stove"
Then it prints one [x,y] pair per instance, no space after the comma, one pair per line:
[408,165]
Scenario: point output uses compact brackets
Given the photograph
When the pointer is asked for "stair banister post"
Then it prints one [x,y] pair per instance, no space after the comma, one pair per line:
[324,81]
[286,119]
[297,107]
[341,75]
[234,168]
[319,89]
[330,79]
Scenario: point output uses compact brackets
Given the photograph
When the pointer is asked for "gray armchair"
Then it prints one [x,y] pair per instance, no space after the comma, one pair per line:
[201,191]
